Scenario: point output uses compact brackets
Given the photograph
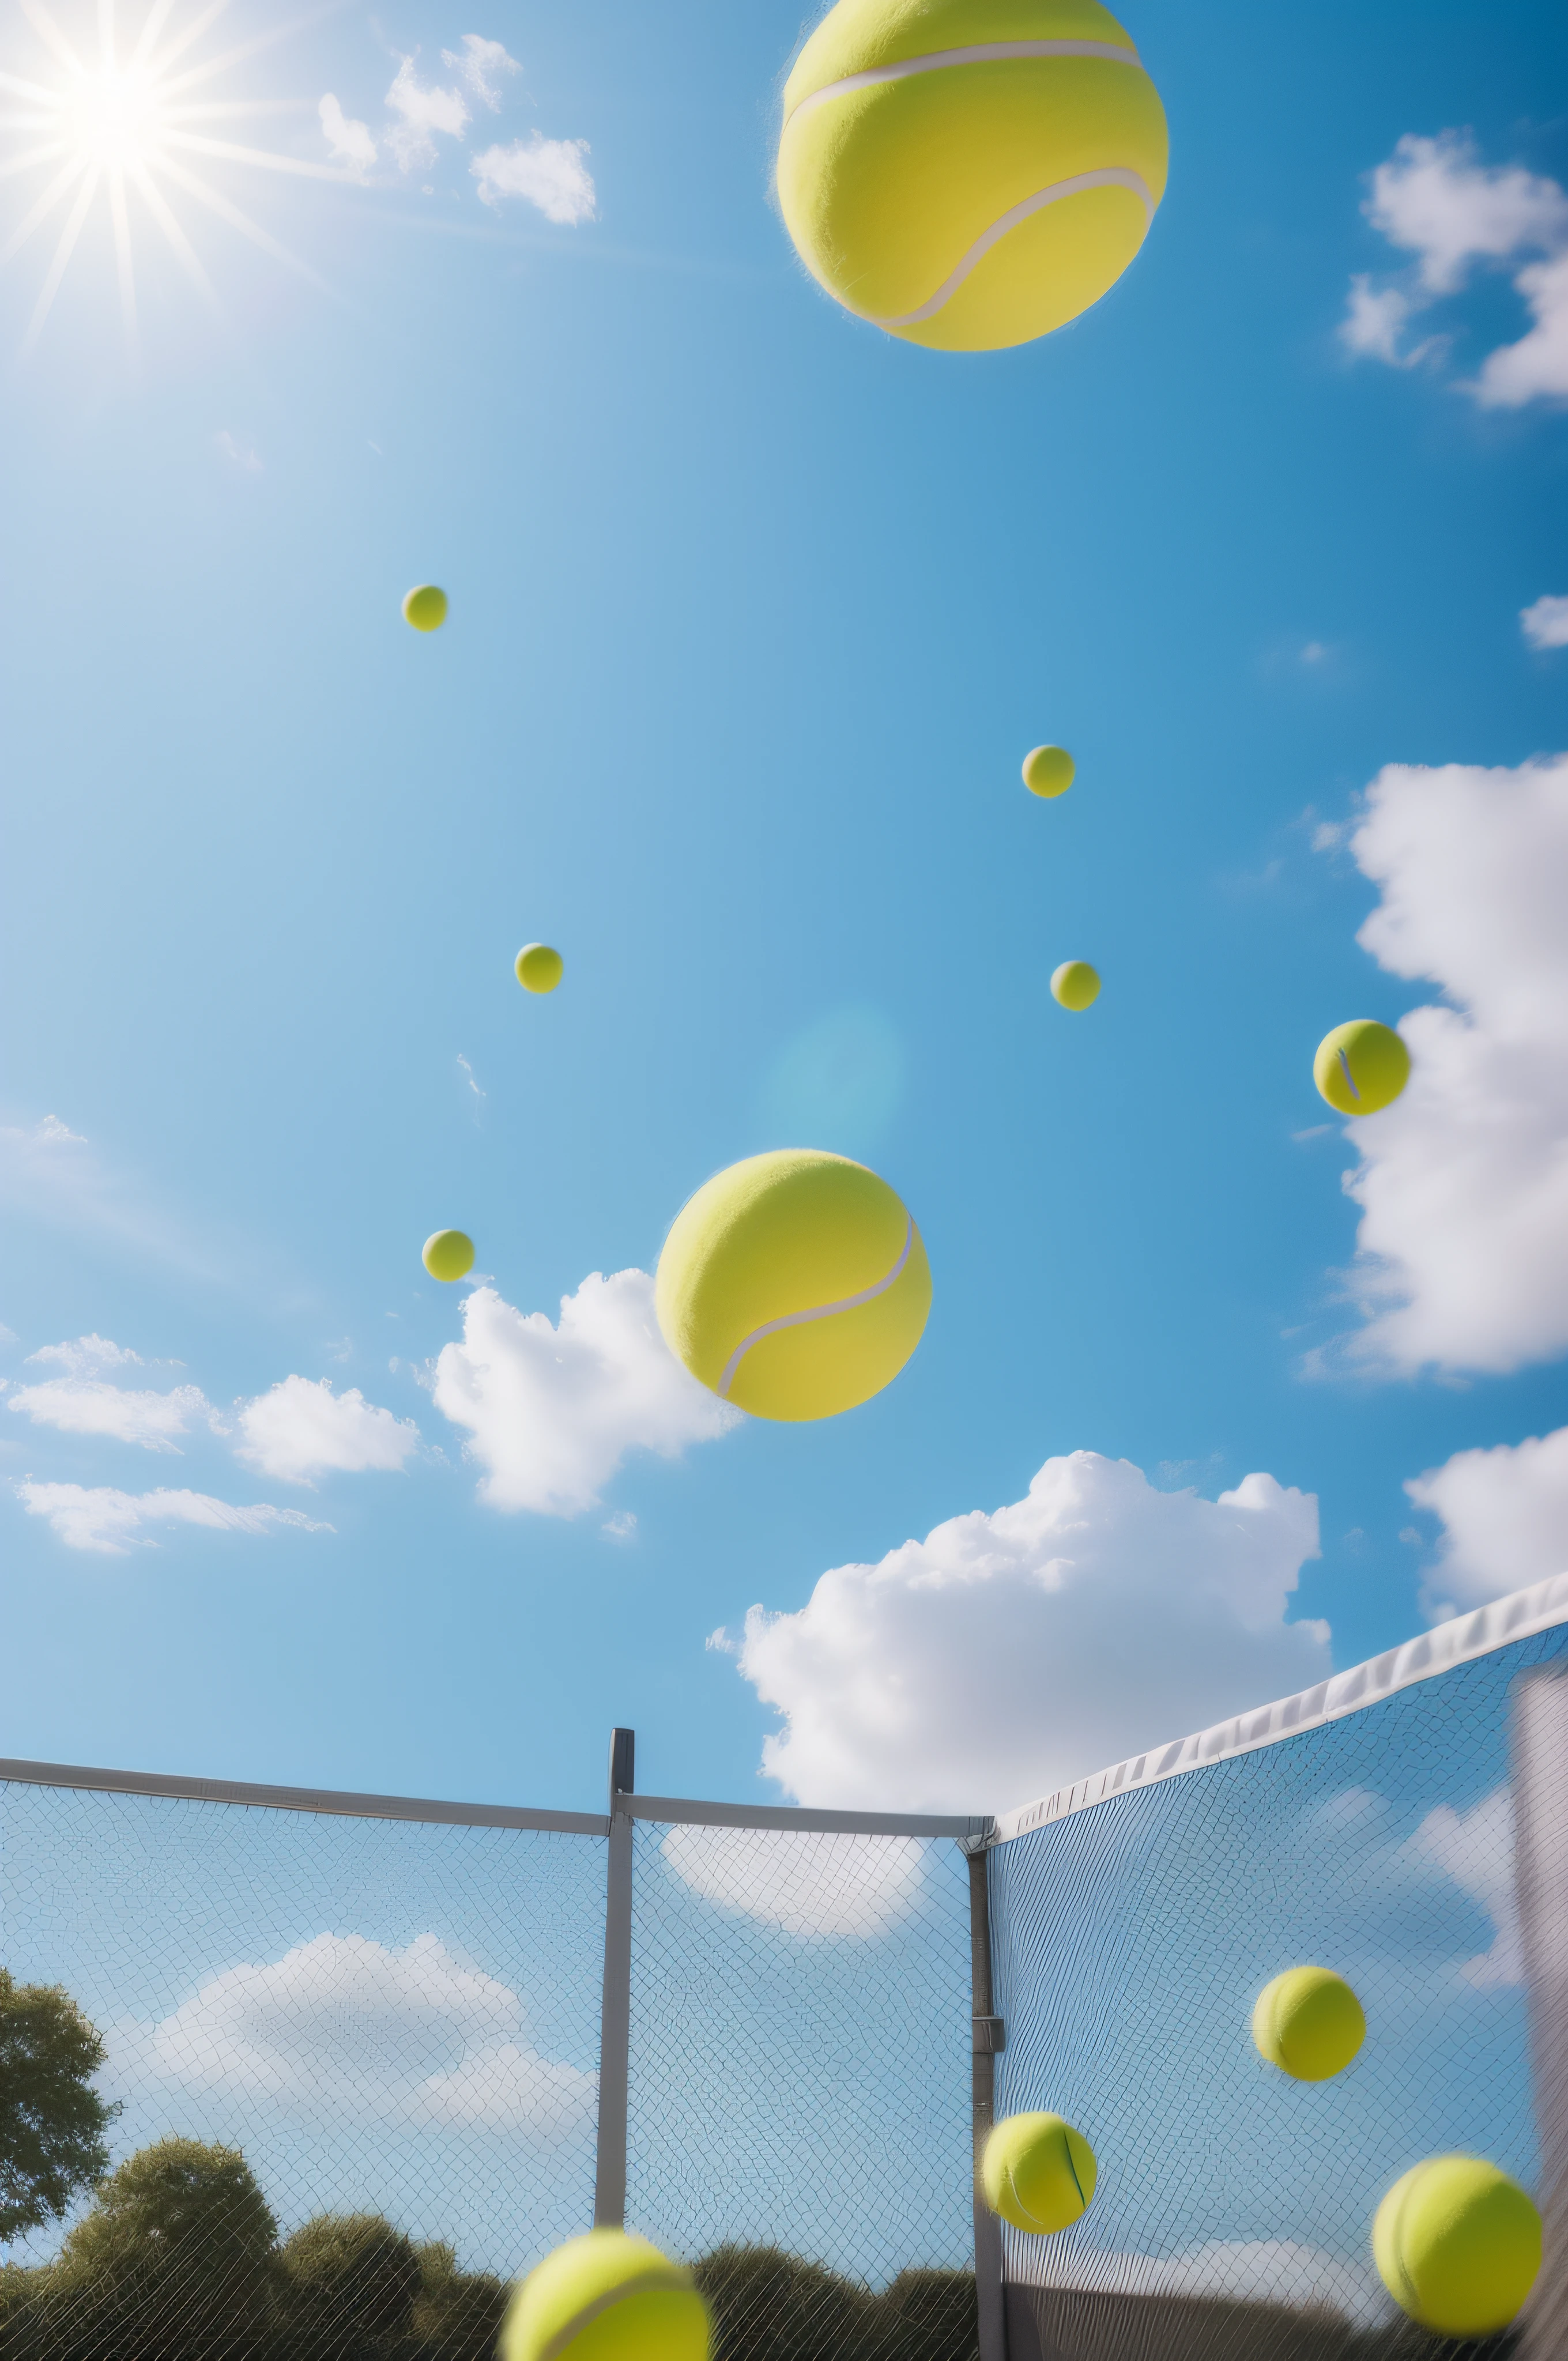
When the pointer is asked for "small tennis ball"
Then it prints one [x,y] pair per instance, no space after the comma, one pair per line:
[794,1285]
[425,607]
[1361,1067]
[448,1253]
[1076,984]
[1457,2245]
[1049,771]
[1037,2172]
[1308,2023]
[606,2297]
[970,173]
[538,968]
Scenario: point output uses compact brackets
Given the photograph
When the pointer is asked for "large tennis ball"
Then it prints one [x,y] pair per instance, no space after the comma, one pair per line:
[448,1253]
[425,607]
[1310,2023]
[1360,1066]
[1075,984]
[794,1284]
[1457,2245]
[606,2297]
[1049,771]
[970,173]
[1037,2172]
[538,968]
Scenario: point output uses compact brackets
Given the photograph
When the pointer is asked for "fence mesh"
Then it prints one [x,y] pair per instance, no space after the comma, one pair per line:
[1233,2208]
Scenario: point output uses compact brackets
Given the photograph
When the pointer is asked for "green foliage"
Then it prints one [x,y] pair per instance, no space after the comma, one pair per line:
[349,2281]
[52,2119]
[770,2306]
[459,2314]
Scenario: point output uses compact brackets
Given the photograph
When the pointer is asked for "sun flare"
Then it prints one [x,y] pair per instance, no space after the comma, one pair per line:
[118,128]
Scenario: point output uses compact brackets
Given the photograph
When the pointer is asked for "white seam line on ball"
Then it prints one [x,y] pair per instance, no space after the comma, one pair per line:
[817,1311]
[649,2282]
[1349,1077]
[978,54]
[1111,176]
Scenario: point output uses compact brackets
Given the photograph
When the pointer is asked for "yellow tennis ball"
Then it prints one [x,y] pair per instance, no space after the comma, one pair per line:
[1076,984]
[1361,1067]
[538,968]
[970,173]
[1049,771]
[448,1253]
[425,607]
[1310,2023]
[1457,2245]
[1037,2172]
[606,2297]
[794,1285]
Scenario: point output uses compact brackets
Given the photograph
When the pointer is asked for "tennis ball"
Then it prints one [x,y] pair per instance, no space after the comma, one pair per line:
[606,2297]
[794,1285]
[1037,2172]
[1076,984]
[1308,2023]
[1049,771]
[1457,2246]
[970,173]
[425,607]
[448,1253]
[1361,1067]
[538,968]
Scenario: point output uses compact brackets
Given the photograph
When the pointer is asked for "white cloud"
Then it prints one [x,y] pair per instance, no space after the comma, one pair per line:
[343,2026]
[239,454]
[1008,1653]
[91,1406]
[808,1884]
[1434,199]
[350,142]
[552,1411]
[549,174]
[1545,625]
[301,1429]
[87,1356]
[1504,1515]
[1463,1245]
[98,1518]
[480,63]
[423,111]
[1476,1850]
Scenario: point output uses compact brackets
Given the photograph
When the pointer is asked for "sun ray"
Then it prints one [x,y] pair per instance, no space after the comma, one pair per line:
[68,237]
[48,32]
[240,55]
[27,158]
[33,90]
[152,25]
[41,211]
[179,244]
[158,66]
[121,219]
[207,195]
[226,152]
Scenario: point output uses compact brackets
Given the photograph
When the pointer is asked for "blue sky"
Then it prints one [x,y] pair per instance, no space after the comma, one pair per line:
[754,614]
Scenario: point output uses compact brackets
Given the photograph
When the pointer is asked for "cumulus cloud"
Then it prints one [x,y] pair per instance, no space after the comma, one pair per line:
[350,142]
[92,1405]
[1435,200]
[805,1885]
[97,1517]
[342,2024]
[421,112]
[1010,1653]
[549,174]
[552,1411]
[1463,1245]
[1476,1849]
[1505,1516]
[481,65]
[301,1429]
[1545,625]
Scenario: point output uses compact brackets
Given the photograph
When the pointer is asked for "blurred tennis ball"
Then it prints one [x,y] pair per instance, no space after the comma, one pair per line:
[425,607]
[1310,2023]
[1076,984]
[1361,1067]
[606,2296]
[448,1255]
[538,968]
[1037,2172]
[1457,2245]
[1049,771]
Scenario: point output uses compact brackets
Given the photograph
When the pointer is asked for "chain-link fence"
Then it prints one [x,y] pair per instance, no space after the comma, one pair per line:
[318,2075]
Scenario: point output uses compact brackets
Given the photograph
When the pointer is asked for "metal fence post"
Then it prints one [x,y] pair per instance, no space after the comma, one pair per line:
[988,2036]
[615,2017]
[1541,1864]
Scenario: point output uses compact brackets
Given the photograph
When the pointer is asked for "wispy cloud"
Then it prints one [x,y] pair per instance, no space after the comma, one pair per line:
[349,142]
[481,65]
[98,1518]
[124,1414]
[421,111]
[548,173]
[1545,625]
[238,454]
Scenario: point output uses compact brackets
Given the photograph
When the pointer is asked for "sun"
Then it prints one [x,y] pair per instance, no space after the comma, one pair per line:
[118,128]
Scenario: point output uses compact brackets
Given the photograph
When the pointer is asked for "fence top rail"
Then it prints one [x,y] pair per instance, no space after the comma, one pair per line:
[303,1799]
[1517,1617]
[686,1811]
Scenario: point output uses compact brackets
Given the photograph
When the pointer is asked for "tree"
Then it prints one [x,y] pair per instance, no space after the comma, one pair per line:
[459,2313]
[350,2281]
[52,2119]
